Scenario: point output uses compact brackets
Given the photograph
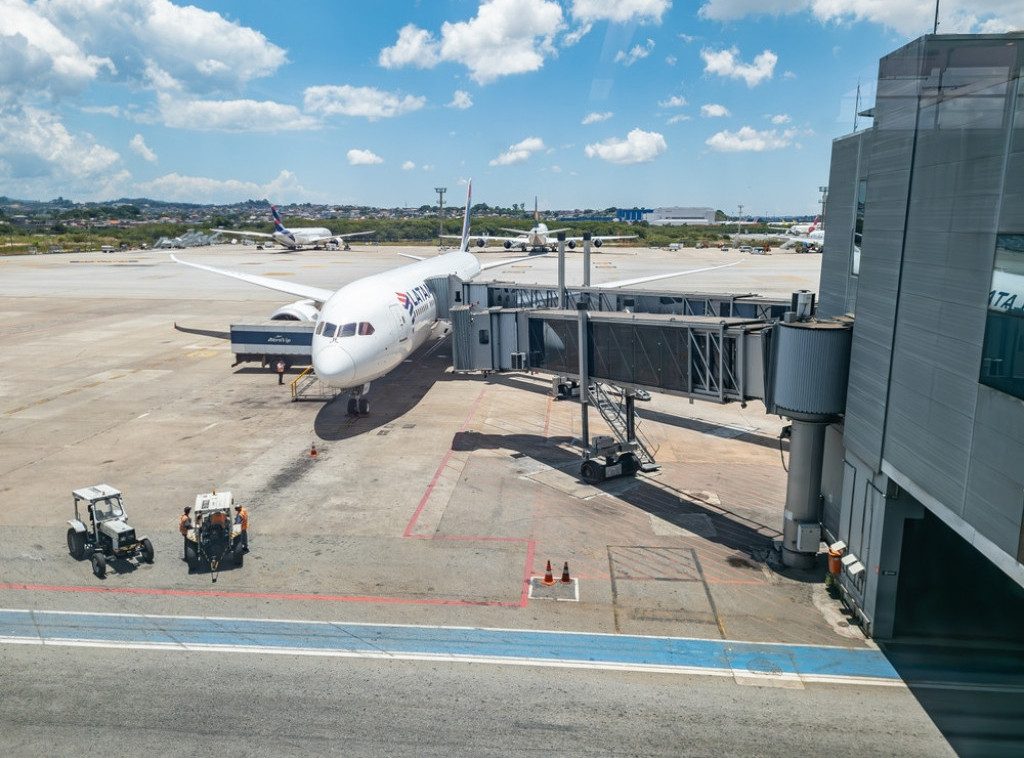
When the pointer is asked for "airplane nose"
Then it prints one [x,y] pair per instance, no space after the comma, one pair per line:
[334,366]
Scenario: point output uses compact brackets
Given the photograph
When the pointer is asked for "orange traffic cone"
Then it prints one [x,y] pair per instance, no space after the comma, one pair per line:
[549,578]
[565,574]
[312,451]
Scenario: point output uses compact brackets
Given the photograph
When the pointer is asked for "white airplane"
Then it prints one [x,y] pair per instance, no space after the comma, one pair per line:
[302,236]
[370,326]
[814,237]
[540,238]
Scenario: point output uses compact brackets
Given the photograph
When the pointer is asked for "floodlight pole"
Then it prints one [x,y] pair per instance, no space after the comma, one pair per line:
[440,201]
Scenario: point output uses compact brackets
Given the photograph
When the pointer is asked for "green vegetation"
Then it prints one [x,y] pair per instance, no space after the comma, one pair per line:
[64,232]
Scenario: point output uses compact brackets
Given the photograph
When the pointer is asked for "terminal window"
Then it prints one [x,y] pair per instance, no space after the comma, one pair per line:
[1002,364]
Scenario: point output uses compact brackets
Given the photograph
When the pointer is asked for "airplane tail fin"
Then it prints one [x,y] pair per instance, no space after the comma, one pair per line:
[465,221]
[278,226]
[814,226]
[536,211]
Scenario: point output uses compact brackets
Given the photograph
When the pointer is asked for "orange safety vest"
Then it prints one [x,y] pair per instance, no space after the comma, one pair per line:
[242,517]
[217,518]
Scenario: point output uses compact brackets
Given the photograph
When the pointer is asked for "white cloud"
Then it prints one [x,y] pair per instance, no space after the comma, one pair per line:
[637,53]
[680,117]
[671,60]
[408,166]
[620,11]
[725,63]
[780,118]
[519,152]
[461,100]
[713,110]
[638,147]
[596,118]
[363,157]
[368,102]
[284,188]
[199,49]
[910,19]
[506,37]
[232,115]
[676,101]
[37,150]
[138,145]
[750,140]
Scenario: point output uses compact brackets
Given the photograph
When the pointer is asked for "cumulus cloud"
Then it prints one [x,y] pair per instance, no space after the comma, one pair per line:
[368,102]
[506,37]
[750,140]
[638,147]
[713,110]
[138,146]
[232,115]
[780,118]
[461,100]
[725,63]
[676,101]
[620,11]
[680,117]
[519,152]
[637,53]
[596,118]
[908,19]
[408,166]
[362,157]
[284,188]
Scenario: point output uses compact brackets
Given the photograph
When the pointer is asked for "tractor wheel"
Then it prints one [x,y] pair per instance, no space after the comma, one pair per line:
[76,544]
[239,554]
[591,472]
[99,565]
[192,558]
[147,551]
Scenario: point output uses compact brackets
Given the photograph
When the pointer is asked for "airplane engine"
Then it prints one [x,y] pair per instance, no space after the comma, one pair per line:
[508,245]
[481,242]
[597,242]
[301,310]
[571,244]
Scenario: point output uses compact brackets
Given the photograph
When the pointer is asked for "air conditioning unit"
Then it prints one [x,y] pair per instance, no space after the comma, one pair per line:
[518,361]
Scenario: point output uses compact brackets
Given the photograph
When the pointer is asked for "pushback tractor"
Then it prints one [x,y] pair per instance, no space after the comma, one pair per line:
[100,530]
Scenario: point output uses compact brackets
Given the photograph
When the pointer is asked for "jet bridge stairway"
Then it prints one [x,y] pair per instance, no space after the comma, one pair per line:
[306,386]
[614,412]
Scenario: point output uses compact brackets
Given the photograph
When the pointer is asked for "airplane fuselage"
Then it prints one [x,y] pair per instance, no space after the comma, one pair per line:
[301,237]
[370,326]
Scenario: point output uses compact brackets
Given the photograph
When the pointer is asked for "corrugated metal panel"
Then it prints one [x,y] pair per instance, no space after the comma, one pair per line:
[812,368]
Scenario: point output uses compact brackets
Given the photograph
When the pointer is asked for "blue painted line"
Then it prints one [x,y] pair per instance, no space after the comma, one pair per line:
[807,662]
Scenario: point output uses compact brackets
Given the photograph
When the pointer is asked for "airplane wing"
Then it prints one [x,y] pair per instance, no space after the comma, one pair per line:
[656,277]
[244,234]
[317,294]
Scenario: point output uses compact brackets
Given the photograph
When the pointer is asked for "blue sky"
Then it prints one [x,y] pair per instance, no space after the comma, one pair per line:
[581,103]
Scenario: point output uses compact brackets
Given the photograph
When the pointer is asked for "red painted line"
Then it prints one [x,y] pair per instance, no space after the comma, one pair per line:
[257,595]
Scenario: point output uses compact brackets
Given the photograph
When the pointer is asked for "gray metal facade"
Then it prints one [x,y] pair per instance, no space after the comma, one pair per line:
[941,177]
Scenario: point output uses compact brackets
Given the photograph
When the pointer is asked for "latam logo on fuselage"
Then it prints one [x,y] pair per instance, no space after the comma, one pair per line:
[414,298]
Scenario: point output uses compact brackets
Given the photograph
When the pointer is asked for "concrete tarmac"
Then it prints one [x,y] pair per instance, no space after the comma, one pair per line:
[442,507]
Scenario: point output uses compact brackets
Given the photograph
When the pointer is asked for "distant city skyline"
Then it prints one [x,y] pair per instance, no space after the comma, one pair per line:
[581,103]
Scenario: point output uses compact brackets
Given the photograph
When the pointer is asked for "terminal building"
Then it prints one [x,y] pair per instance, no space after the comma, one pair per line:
[923,475]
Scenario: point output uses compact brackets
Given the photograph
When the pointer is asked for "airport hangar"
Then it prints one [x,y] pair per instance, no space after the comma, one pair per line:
[906,450]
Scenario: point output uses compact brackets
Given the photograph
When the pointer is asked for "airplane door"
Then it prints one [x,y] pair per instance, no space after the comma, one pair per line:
[401,322]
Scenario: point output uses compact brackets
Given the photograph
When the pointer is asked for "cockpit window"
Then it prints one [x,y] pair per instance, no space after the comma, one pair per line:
[348,330]
[329,329]
[320,328]
[365,327]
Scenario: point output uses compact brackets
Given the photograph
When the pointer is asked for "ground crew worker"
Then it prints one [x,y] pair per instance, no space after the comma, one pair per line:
[184,523]
[280,372]
[242,517]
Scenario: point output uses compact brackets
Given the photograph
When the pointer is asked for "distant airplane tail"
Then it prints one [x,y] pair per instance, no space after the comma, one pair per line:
[814,225]
[278,226]
[465,221]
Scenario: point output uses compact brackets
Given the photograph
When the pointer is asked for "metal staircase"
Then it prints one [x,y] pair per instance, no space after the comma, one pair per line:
[612,410]
[306,386]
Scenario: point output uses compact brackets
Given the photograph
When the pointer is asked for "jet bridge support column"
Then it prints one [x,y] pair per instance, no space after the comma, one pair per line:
[811,367]
[562,296]
[584,381]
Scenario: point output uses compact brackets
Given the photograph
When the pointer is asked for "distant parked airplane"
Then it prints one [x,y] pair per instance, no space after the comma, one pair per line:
[302,236]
